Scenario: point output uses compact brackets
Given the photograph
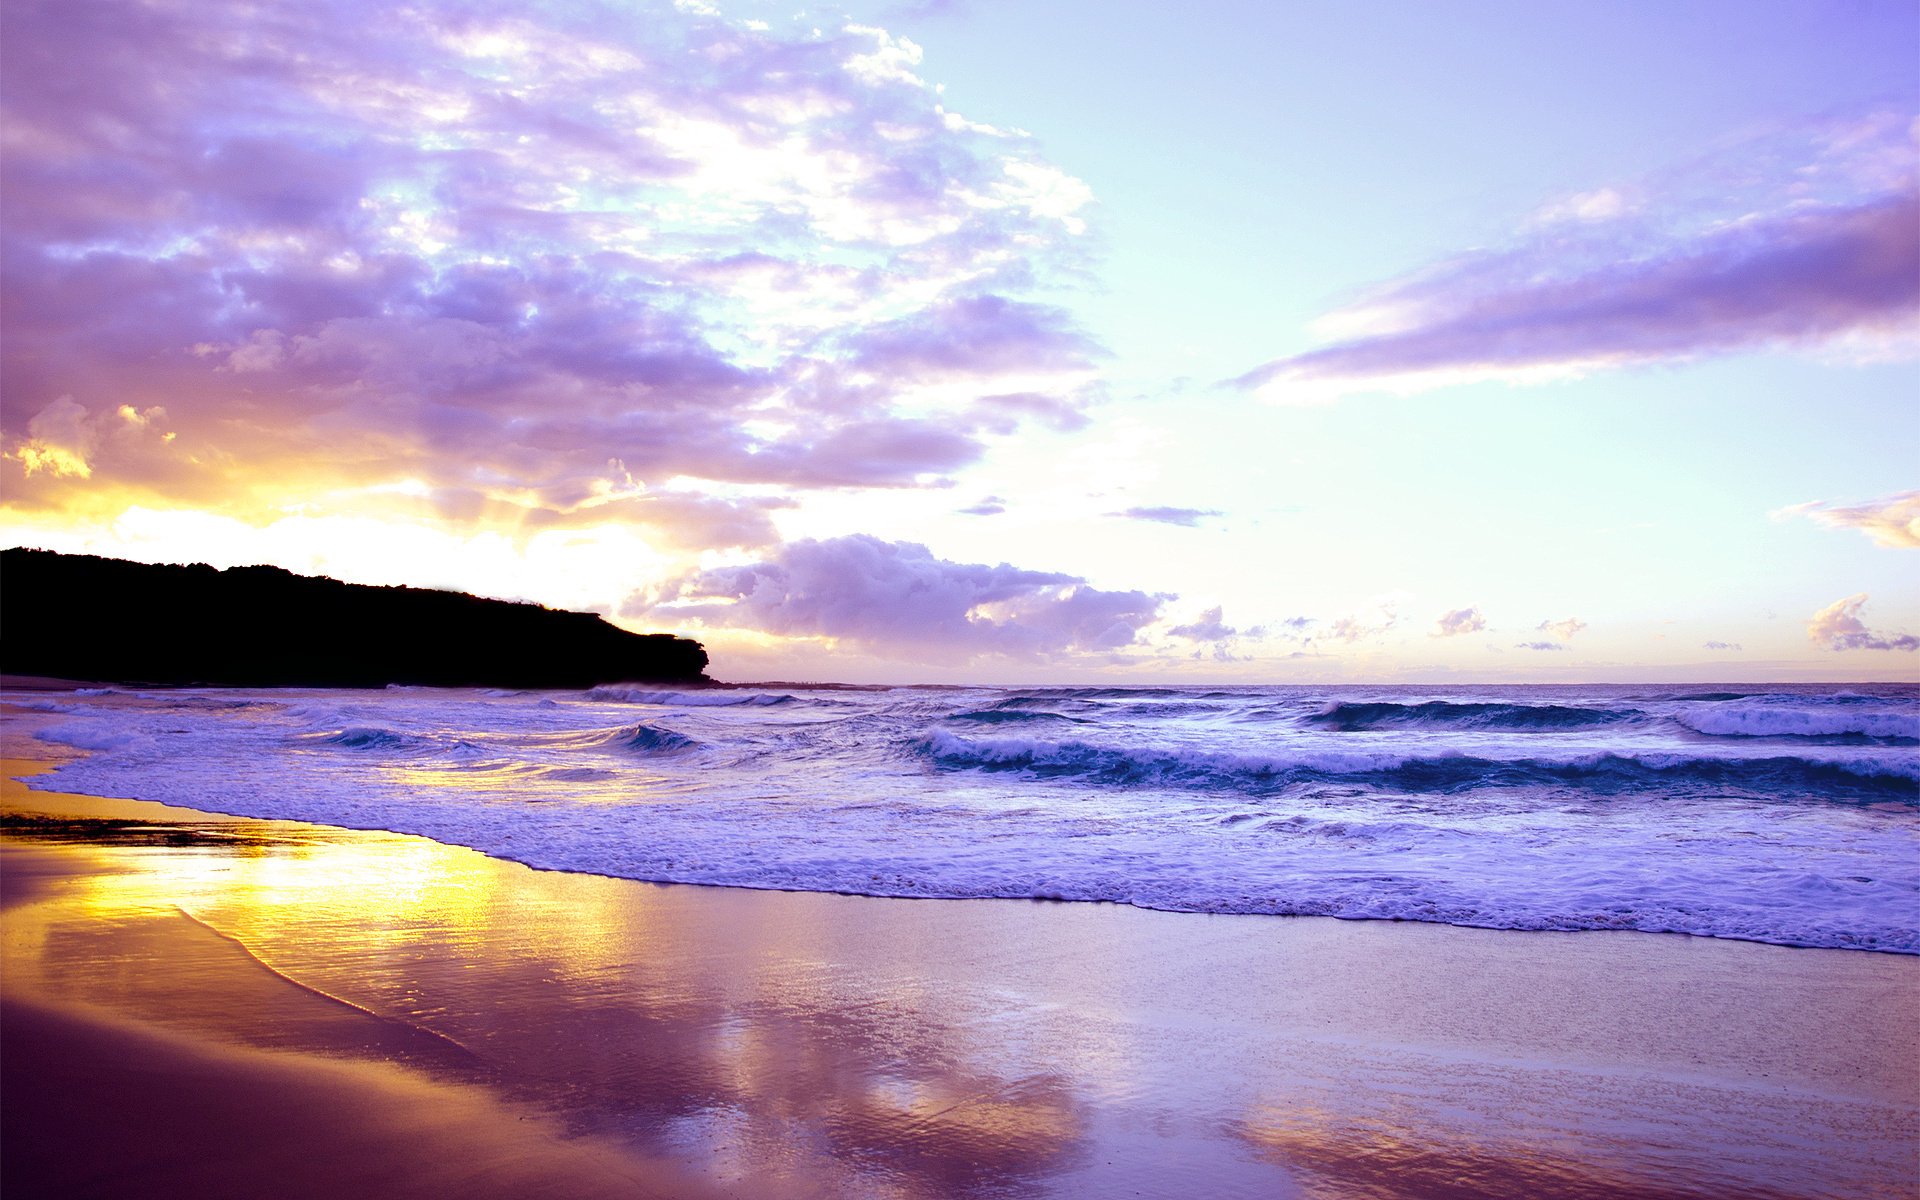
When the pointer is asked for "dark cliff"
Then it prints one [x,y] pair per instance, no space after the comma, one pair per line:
[81,617]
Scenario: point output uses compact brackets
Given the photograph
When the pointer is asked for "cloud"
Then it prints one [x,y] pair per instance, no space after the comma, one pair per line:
[66,440]
[1167,515]
[1838,627]
[1211,626]
[896,598]
[1723,645]
[1459,621]
[487,249]
[990,506]
[1892,521]
[1823,255]
[1372,619]
[972,336]
[1540,646]
[1564,630]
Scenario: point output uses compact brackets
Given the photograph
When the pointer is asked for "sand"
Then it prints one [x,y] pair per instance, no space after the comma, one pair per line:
[208,1006]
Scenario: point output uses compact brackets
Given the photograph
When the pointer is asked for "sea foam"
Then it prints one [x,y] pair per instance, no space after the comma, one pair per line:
[1774,814]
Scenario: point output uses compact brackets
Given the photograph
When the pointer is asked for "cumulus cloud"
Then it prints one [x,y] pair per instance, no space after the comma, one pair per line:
[1838,627]
[1167,514]
[1723,645]
[897,598]
[1459,621]
[1892,521]
[1809,241]
[486,249]
[1540,646]
[1211,627]
[1564,630]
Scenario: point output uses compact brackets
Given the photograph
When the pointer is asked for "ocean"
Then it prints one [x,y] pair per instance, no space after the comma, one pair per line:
[1781,814]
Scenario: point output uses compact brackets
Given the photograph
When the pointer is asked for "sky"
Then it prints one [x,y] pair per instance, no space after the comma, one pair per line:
[991,341]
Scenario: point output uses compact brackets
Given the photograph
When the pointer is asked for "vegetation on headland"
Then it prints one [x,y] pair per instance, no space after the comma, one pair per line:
[81,617]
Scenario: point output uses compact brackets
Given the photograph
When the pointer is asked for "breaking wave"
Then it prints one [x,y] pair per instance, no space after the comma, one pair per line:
[1607,773]
[1353,717]
[717,698]
[1773,721]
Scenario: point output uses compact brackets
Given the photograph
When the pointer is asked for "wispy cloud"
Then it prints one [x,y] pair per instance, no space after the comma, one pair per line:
[1540,646]
[1372,619]
[1823,254]
[1723,645]
[1167,514]
[898,599]
[1838,627]
[537,263]
[1892,521]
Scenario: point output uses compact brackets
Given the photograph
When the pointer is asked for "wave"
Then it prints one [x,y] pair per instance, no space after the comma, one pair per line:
[1011,716]
[638,738]
[370,737]
[648,739]
[1605,773]
[714,699]
[1355,717]
[92,735]
[1774,720]
[1109,693]
[48,706]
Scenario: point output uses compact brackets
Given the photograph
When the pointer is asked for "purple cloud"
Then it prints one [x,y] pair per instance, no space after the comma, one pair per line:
[489,251]
[1599,284]
[1540,646]
[1838,627]
[1459,621]
[1723,645]
[1167,515]
[974,335]
[897,598]
[1211,627]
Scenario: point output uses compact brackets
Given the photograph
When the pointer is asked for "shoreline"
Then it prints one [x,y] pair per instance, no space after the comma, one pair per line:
[794,1043]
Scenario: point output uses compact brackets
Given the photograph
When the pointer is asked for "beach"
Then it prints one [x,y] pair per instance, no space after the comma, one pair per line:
[213,1005]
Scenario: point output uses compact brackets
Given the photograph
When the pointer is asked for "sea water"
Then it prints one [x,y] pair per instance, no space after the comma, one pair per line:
[1778,814]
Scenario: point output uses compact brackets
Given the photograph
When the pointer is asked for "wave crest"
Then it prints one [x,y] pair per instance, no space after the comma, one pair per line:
[617,694]
[1603,773]
[1774,720]
[1357,717]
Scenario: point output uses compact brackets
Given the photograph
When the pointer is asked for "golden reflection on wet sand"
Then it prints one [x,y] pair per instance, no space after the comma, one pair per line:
[804,1044]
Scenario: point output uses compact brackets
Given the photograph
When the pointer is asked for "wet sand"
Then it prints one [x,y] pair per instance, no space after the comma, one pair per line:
[216,1006]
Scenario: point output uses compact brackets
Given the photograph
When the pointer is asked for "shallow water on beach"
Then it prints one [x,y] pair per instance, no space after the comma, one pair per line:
[812,1045]
[1775,814]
